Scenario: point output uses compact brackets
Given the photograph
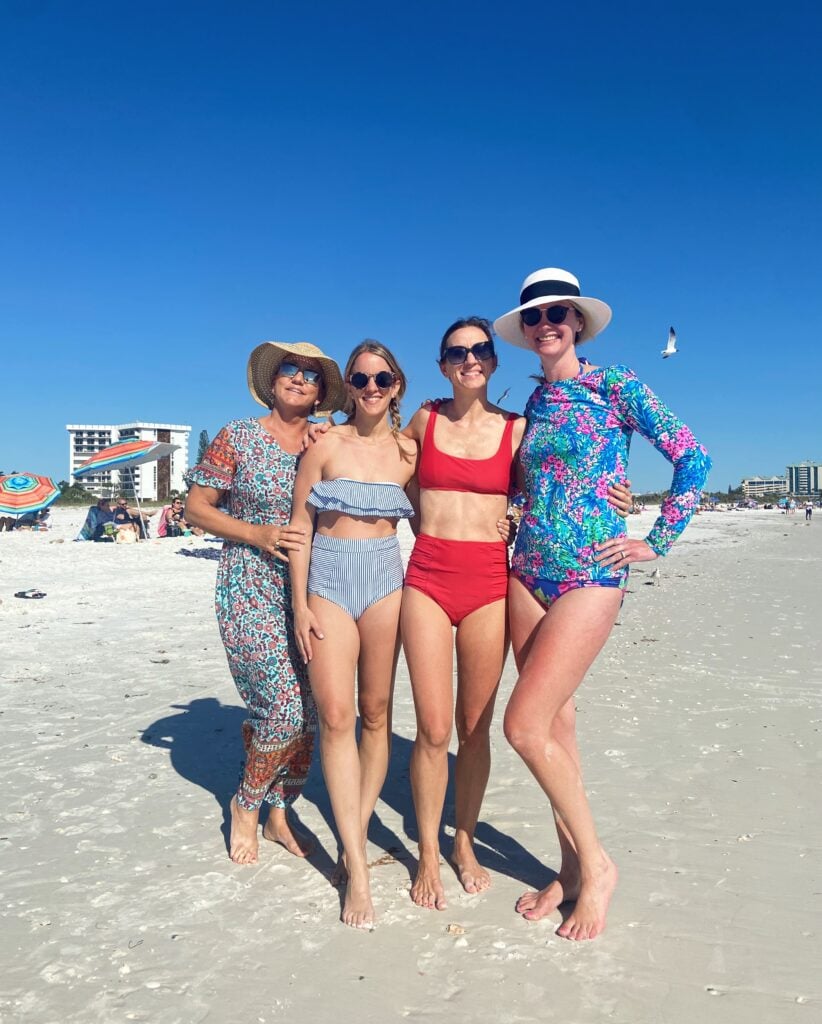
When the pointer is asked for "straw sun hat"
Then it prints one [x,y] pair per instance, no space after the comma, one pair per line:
[265,360]
[552,285]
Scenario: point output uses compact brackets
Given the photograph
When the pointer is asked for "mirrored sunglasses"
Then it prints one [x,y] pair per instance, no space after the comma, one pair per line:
[313,377]
[553,314]
[457,354]
[384,379]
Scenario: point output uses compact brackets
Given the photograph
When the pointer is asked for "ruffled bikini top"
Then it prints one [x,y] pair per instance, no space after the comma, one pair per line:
[361,498]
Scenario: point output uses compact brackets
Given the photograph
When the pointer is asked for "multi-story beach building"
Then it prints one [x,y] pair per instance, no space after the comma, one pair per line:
[153,481]
[805,478]
[759,486]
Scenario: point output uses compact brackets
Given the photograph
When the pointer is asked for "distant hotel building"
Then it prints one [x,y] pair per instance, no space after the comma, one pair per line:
[759,486]
[153,481]
[805,479]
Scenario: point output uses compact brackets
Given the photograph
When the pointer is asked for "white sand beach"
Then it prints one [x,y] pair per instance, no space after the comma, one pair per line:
[700,735]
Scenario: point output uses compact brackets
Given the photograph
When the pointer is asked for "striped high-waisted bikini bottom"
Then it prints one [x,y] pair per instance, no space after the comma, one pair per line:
[354,574]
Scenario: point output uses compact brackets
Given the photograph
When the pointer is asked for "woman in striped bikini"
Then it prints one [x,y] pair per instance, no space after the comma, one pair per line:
[350,490]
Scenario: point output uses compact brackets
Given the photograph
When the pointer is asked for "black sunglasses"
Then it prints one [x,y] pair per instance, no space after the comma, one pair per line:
[384,379]
[457,354]
[309,376]
[554,315]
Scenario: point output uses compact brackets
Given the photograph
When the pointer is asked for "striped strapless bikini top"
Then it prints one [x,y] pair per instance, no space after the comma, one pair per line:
[361,498]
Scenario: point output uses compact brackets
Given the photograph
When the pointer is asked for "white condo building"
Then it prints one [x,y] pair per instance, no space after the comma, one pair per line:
[153,481]
[759,486]
[805,479]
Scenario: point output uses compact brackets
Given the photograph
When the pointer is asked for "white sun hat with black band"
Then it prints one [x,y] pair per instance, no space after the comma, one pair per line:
[553,285]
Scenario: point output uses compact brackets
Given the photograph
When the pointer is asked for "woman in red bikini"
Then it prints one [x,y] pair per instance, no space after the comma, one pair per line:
[457,577]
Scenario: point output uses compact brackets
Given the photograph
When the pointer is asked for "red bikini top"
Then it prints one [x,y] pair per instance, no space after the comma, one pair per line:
[438,471]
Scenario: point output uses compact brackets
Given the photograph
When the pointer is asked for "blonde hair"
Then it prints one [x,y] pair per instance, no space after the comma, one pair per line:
[378,349]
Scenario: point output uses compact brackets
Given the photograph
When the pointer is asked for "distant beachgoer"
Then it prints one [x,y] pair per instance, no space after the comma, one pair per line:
[99,513]
[176,524]
[126,521]
[351,489]
[33,520]
[126,517]
[570,564]
[241,491]
[808,510]
[104,531]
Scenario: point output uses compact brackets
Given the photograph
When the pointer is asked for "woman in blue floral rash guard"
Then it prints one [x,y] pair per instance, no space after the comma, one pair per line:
[570,564]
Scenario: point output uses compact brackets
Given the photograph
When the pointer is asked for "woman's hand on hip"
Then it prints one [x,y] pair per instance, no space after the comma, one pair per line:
[306,623]
[279,540]
[619,552]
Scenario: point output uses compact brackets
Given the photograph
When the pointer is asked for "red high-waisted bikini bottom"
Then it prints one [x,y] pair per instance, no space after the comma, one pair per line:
[460,575]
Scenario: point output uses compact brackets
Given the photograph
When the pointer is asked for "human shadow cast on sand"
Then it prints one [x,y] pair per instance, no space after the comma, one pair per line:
[204,740]
[205,747]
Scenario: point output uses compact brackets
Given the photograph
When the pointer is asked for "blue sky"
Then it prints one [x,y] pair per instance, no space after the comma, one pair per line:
[180,181]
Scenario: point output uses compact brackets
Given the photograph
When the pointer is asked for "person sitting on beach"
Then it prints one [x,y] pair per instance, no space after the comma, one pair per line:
[92,520]
[103,516]
[175,521]
[126,517]
[33,520]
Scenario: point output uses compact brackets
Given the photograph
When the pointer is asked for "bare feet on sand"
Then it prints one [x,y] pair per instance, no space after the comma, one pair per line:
[358,910]
[278,829]
[565,888]
[587,919]
[473,878]
[427,890]
[242,844]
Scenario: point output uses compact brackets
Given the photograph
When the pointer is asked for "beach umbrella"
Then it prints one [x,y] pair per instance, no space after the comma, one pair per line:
[126,455]
[26,492]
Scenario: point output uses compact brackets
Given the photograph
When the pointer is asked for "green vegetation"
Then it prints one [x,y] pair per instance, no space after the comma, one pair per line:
[74,494]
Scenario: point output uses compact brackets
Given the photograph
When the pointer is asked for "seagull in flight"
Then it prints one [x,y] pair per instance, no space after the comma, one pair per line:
[503,396]
[670,348]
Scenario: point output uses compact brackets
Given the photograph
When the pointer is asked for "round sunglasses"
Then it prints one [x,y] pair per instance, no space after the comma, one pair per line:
[313,377]
[457,354]
[384,379]
[553,314]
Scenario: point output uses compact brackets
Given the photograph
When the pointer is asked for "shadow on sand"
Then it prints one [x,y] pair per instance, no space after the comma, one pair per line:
[205,746]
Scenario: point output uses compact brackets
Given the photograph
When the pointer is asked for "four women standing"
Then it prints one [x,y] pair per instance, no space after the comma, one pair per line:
[346,590]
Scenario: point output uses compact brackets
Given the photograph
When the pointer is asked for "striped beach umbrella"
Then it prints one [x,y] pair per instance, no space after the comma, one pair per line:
[126,453]
[26,492]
